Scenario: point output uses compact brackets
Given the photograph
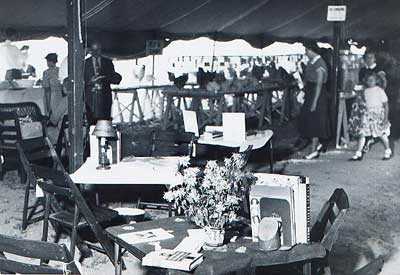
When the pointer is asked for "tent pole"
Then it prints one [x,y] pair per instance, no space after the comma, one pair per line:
[75,96]
[335,89]
[152,70]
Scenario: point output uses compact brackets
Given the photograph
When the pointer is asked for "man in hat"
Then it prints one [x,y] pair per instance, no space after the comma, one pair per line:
[51,84]
[99,74]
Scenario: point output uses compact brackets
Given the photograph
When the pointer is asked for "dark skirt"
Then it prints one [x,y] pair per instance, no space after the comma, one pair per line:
[317,123]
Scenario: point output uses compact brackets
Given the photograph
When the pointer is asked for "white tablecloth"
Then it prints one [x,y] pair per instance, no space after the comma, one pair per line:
[142,170]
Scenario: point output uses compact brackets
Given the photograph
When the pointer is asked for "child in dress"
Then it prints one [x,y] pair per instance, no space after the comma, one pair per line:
[374,121]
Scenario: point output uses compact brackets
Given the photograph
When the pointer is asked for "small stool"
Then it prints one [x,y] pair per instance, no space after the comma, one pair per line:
[131,214]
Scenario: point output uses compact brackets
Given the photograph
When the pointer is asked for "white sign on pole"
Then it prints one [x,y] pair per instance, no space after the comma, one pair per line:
[336,13]
[154,47]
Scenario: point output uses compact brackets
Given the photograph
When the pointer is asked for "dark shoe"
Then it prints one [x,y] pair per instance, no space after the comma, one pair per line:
[321,148]
[357,156]
[312,155]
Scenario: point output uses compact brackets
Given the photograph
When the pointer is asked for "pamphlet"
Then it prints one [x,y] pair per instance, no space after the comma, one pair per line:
[234,126]
[190,122]
[146,236]
[173,259]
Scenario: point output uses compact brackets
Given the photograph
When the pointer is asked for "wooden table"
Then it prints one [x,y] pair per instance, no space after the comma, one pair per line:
[257,140]
[214,262]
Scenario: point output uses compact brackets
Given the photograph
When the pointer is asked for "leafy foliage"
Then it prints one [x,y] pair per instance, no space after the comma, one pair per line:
[211,197]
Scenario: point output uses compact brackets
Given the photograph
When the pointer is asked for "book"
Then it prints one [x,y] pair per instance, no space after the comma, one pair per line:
[212,135]
[173,259]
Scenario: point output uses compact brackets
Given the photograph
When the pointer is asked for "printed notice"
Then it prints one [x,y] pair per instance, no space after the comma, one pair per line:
[336,13]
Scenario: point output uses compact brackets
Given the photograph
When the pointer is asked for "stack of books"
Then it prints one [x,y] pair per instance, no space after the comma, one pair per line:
[173,259]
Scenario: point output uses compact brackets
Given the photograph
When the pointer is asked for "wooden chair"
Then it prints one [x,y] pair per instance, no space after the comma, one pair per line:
[34,250]
[10,132]
[326,228]
[167,143]
[39,151]
[77,217]
[14,118]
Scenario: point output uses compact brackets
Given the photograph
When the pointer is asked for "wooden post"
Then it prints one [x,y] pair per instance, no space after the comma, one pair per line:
[335,89]
[75,73]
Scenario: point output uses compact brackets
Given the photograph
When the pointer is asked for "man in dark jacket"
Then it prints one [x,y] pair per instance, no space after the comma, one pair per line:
[99,74]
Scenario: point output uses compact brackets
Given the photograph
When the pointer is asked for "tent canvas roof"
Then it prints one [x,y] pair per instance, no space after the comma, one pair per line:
[125,25]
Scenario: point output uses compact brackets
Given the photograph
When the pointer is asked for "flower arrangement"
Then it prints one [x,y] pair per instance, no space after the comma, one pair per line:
[211,197]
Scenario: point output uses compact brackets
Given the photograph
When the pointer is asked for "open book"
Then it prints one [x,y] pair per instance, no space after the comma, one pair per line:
[169,258]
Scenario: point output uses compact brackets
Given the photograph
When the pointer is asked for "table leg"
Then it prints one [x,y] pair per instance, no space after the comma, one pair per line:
[271,157]
[342,106]
[118,270]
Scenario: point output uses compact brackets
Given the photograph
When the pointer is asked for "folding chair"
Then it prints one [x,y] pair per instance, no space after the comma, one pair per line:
[39,151]
[162,143]
[34,250]
[17,120]
[326,228]
[77,216]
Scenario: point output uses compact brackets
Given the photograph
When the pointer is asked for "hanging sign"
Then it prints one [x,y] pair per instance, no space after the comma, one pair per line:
[154,47]
[336,13]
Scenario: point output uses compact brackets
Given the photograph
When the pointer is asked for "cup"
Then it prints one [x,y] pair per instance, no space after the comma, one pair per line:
[269,234]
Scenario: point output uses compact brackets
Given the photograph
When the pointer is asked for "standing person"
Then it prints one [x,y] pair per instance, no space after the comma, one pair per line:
[11,58]
[51,84]
[99,74]
[375,121]
[28,71]
[314,116]
[371,67]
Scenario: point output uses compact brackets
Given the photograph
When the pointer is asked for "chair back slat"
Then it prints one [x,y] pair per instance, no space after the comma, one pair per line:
[10,129]
[332,235]
[40,151]
[10,266]
[373,268]
[34,250]
[330,219]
